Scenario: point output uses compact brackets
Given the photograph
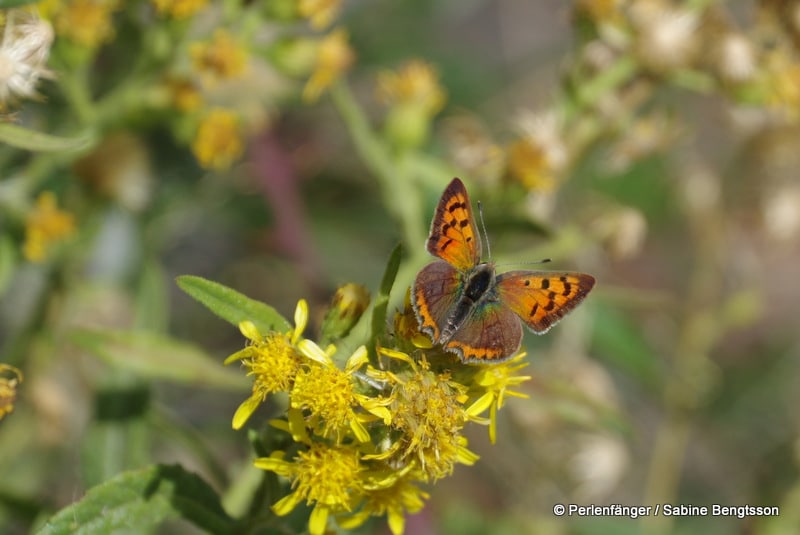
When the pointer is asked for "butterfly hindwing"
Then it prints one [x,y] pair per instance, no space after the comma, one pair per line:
[435,291]
[454,237]
[492,334]
[542,298]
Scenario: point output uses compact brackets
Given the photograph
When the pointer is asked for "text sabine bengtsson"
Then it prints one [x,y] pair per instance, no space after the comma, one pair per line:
[636,511]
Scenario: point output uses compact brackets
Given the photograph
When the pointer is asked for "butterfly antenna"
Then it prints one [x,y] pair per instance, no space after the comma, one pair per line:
[542,261]
[485,235]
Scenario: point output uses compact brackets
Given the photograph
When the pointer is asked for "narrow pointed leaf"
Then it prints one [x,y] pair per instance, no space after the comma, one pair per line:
[233,306]
[381,302]
[156,356]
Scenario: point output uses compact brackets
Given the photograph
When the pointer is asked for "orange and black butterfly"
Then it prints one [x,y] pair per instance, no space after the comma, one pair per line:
[468,309]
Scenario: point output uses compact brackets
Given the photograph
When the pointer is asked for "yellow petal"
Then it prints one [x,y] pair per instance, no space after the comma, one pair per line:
[381,412]
[359,431]
[397,521]
[285,505]
[358,359]
[493,425]
[300,319]
[311,350]
[353,521]
[318,520]
[480,405]
[245,410]
[239,355]
[249,330]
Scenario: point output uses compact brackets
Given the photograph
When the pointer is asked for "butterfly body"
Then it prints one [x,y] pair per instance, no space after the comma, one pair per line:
[464,306]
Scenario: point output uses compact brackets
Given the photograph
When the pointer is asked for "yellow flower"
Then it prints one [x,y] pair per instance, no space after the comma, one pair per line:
[185,95]
[179,9]
[8,388]
[44,225]
[219,59]
[528,166]
[319,12]
[273,361]
[334,57]
[329,395]
[414,96]
[538,159]
[497,380]
[394,500]
[87,22]
[782,78]
[218,142]
[415,83]
[326,476]
[428,411]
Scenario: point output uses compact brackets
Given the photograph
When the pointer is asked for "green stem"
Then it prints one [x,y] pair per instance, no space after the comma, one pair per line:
[75,86]
[391,173]
[688,385]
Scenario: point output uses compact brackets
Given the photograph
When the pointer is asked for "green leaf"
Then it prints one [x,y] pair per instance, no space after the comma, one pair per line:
[232,306]
[157,356]
[381,302]
[139,500]
[22,138]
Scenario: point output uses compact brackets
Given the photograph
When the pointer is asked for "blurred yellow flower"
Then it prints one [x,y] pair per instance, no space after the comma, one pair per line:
[319,12]
[8,388]
[179,9]
[415,83]
[220,58]
[334,57]
[218,142]
[538,158]
[44,225]
[185,95]
[414,96]
[782,80]
[87,22]
[528,166]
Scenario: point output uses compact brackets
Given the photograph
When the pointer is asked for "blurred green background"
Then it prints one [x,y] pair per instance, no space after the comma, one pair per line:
[667,154]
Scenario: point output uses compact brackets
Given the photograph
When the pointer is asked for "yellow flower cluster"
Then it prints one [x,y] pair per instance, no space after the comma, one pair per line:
[45,225]
[366,436]
[86,22]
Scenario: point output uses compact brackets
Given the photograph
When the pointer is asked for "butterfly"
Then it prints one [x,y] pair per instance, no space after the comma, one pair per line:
[468,309]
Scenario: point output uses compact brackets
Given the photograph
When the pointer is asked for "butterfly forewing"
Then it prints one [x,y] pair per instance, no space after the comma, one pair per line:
[541,299]
[433,295]
[454,237]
